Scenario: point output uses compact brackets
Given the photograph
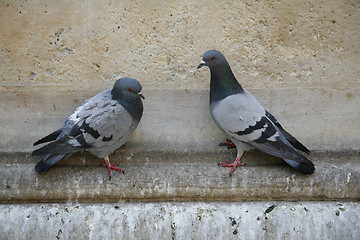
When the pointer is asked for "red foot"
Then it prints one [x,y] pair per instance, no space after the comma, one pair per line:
[232,165]
[113,167]
[228,143]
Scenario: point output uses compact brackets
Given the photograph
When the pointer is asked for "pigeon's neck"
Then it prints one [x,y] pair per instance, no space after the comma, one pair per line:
[133,105]
[223,83]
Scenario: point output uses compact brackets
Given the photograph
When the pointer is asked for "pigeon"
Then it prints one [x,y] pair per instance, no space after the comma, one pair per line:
[247,124]
[100,125]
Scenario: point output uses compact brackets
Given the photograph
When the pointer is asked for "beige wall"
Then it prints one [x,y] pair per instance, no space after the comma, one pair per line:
[270,44]
[300,59]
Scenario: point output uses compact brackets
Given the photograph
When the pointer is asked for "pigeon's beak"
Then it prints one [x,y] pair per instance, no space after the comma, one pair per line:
[202,63]
[141,96]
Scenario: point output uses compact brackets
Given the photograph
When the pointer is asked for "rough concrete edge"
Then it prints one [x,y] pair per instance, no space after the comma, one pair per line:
[183,220]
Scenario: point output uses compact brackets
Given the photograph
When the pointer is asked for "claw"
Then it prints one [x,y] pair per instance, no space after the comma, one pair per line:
[228,143]
[232,165]
[113,167]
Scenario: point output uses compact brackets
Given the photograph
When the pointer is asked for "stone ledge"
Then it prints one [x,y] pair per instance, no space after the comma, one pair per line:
[169,176]
[184,220]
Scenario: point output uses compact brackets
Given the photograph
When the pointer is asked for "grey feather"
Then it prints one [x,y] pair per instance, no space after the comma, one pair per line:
[100,125]
[237,112]
[293,141]
[51,137]
[48,161]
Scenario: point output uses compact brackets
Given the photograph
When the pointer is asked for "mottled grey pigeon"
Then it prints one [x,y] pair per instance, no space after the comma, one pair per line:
[100,125]
[244,119]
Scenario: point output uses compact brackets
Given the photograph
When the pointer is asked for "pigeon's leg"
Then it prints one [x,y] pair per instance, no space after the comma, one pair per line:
[234,164]
[228,143]
[113,167]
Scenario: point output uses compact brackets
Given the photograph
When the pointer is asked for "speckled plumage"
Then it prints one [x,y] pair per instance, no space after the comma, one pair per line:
[248,125]
[100,125]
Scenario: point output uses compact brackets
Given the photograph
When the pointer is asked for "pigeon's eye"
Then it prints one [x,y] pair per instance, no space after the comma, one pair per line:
[212,58]
[130,90]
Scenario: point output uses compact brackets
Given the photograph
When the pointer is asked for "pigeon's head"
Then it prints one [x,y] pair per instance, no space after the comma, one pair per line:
[128,88]
[212,58]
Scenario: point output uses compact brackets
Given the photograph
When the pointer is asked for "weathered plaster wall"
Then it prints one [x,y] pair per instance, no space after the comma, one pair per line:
[307,52]
[270,44]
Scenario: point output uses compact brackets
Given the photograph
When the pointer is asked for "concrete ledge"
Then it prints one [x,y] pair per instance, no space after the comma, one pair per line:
[175,176]
[244,220]
[174,152]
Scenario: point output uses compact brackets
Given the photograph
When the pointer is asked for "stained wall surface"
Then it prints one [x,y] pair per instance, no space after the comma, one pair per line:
[269,44]
[300,59]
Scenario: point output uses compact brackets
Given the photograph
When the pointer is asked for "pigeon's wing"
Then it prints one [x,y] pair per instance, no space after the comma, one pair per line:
[70,139]
[98,123]
[106,125]
[273,142]
[63,145]
[267,137]
[64,131]
[293,141]
[51,137]
[243,118]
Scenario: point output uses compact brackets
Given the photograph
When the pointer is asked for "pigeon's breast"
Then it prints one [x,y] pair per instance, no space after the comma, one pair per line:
[237,112]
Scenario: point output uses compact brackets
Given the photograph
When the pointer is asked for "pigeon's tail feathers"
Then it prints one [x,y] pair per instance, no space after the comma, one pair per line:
[61,146]
[304,166]
[47,162]
[294,142]
[51,137]
[287,152]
